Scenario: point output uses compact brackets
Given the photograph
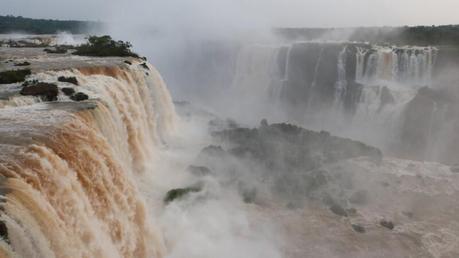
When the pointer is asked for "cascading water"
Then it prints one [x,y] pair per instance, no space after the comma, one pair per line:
[408,65]
[69,173]
[341,83]
[323,84]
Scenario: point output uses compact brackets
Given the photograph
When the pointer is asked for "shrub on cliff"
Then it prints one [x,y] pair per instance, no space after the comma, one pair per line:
[105,46]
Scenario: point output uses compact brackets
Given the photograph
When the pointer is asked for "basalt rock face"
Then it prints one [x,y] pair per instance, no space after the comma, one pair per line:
[430,122]
[292,148]
[289,158]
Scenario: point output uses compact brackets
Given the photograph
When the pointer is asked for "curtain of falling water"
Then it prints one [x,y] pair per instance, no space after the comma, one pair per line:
[68,180]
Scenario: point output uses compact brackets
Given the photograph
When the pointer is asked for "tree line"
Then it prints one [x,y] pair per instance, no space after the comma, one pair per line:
[10,24]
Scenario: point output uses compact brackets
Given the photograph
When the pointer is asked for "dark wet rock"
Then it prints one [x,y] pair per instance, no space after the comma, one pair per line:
[351,211]
[22,64]
[4,231]
[47,91]
[70,79]
[455,168]
[56,50]
[14,76]
[79,96]
[249,195]
[127,62]
[387,224]
[199,170]
[292,148]
[359,197]
[358,228]
[409,214]
[419,122]
[144,65]
[68,91]
[179,193]
[386,97]
[338,210]
[264,123]
[30,82]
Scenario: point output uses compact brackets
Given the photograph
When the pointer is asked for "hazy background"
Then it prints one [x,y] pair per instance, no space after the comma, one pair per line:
[310,13]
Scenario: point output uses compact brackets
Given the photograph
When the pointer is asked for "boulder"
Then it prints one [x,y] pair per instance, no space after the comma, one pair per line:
[358,228]
[70,79]
[68,91]
[47,91]
[338,210]
[79,96]
[144,65]
[387,224]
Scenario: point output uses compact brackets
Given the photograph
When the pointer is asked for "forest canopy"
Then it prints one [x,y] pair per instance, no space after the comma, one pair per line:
[417,35]
[9,24]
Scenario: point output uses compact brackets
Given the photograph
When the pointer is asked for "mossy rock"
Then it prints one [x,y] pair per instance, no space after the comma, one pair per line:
[14,76]
[179,193]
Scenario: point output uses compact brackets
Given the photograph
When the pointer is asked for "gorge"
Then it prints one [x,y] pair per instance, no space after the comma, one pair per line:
[284,148]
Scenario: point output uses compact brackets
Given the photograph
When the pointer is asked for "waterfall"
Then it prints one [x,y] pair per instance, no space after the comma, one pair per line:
[360,63]
[409,65]
[69,174]
[341,83]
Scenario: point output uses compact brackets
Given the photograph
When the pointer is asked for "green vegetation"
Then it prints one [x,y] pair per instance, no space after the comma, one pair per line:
[11,23]
[105,46]
[13,76]
[179,193]
[418,35]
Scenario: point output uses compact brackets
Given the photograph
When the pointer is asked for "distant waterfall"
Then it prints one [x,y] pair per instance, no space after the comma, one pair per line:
[68,173]
[409,65]
[341,83]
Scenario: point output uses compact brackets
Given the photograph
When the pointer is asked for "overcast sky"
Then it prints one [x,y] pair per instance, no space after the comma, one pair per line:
[308,13]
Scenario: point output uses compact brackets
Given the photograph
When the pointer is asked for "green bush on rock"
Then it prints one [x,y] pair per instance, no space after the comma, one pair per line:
[13,76]
[105,46]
